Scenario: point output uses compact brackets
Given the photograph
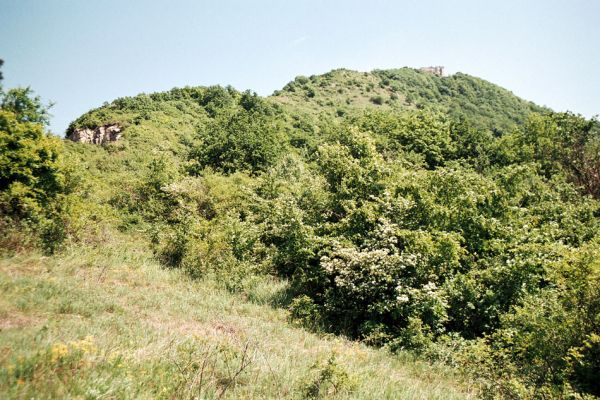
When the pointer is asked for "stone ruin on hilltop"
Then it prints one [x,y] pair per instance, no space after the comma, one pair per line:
[437,71]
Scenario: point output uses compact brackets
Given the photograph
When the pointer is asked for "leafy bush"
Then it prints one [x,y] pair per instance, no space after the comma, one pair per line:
[244,137]
[330,380]
[563,142]
[377,100]
[33,181]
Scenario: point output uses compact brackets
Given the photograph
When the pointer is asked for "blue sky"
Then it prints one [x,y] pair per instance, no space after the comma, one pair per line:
[82,53]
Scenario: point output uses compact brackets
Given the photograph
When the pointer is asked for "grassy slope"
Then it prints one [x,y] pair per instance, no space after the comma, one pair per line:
[110,322]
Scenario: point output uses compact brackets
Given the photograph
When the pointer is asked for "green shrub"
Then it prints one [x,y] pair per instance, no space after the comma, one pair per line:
[584,364]
[33,181]
[240,138]
[330,379]
[378,100]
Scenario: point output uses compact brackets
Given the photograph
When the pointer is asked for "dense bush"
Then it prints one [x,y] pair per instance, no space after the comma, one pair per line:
[412,231]
[458,247]
[563,142]
[244,136]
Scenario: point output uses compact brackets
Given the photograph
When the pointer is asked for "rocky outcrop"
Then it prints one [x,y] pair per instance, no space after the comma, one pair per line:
[99,135]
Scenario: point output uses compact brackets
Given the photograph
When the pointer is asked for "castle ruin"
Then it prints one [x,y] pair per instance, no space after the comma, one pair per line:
[437,71]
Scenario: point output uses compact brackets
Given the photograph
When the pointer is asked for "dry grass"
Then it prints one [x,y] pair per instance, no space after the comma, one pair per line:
[111,323]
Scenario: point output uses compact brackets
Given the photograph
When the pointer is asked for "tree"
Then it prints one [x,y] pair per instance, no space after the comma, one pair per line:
[25,106]
[563,142]
[32,177]
[241,137]
[30,170]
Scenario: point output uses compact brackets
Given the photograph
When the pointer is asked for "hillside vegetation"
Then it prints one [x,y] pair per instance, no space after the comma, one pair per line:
[440,218]
[341,92]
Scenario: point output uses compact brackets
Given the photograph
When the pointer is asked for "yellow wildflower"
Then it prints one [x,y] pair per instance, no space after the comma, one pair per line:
[86,345]
[58,352]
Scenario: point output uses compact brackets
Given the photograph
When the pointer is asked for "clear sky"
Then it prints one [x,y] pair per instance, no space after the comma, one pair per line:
[80,53]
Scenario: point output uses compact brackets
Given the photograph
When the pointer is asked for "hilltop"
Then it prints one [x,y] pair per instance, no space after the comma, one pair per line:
[343,91]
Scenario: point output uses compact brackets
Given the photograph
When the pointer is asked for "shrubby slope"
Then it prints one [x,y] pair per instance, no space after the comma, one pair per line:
[439,216]
[341,92]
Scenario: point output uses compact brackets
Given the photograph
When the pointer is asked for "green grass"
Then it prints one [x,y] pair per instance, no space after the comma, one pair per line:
[109,322]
